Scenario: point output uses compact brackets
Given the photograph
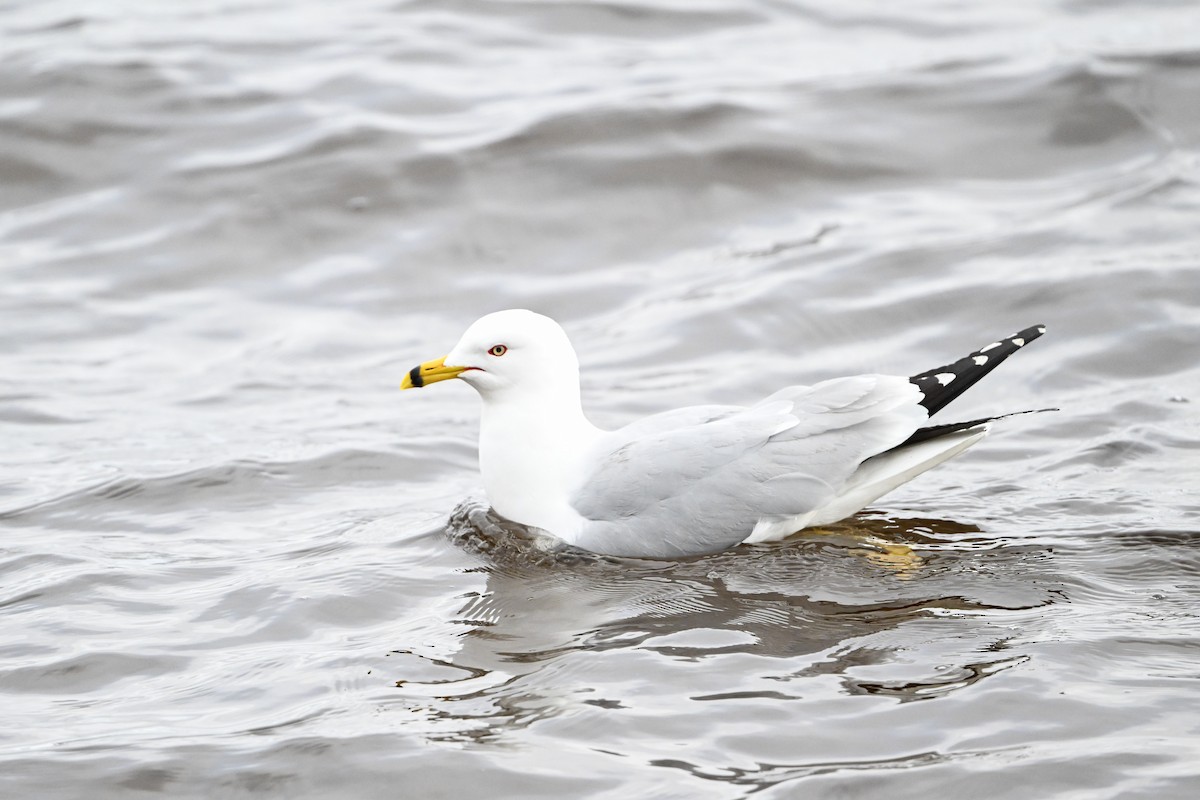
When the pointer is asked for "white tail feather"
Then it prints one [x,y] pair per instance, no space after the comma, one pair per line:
[876,477]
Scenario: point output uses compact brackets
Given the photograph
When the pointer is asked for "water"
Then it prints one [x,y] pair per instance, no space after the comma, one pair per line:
[230,561]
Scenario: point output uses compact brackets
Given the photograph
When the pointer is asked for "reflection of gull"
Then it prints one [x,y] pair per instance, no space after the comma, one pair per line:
[531,642]
[700,479]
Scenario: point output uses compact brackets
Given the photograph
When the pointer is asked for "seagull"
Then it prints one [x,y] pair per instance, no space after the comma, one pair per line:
[699,479]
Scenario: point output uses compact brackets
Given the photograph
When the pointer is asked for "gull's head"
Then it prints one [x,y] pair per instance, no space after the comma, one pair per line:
[514,350]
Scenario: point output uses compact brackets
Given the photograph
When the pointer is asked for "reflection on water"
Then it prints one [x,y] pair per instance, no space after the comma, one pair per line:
[842,602]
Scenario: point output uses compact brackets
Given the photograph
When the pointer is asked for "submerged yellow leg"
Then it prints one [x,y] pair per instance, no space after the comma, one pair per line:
[900,559]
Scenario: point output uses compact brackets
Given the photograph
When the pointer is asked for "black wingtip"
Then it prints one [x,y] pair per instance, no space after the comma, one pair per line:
[937,431]
[941,385]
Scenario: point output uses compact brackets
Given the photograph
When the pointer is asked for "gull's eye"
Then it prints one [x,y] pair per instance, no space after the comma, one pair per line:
[497,350]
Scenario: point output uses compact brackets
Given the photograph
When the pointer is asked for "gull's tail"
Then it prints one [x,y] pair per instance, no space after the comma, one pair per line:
[931,445]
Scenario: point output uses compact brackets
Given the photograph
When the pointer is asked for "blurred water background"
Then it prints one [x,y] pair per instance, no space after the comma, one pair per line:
[227,227]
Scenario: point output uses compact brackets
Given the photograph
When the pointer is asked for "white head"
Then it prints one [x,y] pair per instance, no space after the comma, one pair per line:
[508,351]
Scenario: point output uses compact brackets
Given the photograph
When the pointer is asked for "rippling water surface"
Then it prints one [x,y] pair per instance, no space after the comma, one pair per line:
[236,561]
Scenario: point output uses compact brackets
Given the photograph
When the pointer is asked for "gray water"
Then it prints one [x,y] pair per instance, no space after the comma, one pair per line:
[235,561]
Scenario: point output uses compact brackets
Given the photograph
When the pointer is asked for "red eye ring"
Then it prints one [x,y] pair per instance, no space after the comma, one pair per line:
[497,350]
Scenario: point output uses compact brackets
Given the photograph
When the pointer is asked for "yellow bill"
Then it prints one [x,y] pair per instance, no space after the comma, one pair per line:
[430,372]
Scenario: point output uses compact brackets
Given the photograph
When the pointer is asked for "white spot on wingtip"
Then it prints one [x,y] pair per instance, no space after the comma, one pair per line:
[944,378]
[1018,341]
[980,360]
[1041,329]
[989,347]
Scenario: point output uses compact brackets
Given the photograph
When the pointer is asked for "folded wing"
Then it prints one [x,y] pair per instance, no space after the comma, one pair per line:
[699,480]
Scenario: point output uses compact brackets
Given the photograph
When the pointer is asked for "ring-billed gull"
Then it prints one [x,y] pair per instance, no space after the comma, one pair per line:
[698,479]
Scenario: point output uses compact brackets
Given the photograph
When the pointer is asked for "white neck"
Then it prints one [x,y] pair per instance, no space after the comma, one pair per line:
[530,450]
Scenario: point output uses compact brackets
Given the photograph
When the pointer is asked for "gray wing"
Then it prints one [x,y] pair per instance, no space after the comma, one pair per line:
[698,480]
